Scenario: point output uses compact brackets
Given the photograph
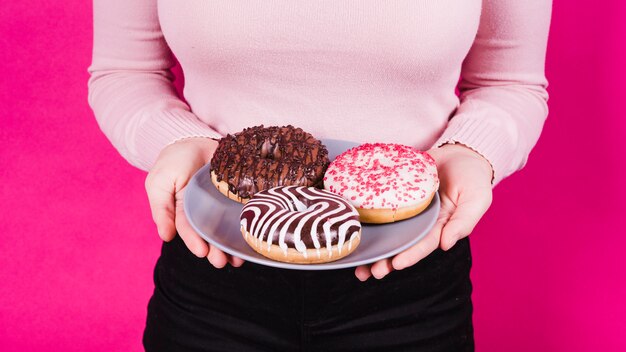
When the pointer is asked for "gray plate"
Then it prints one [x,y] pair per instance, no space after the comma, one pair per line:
[216,219]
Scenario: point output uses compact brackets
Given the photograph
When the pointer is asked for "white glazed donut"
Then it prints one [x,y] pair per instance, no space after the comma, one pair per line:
[385,182]
[298,224]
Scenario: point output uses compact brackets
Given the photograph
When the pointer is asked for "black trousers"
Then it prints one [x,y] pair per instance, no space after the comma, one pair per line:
[196,307]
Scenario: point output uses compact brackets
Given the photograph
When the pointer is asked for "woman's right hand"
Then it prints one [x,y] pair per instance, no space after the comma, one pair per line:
[165,186]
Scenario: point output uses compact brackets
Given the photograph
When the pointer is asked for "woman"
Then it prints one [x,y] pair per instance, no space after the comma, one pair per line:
[366,71]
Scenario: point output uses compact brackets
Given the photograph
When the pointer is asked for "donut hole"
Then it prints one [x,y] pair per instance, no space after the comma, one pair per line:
[304,205]
[386,162]
[270,150]
[378,163]
[299,206]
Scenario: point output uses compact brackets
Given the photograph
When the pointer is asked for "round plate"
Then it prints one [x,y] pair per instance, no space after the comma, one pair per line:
[216,219]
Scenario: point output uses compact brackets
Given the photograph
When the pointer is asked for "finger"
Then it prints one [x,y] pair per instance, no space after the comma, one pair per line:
[363,272]
[162,206]
[422,248]
[235,261]
[463,220]
[381,268]
[216,257]
[192,240]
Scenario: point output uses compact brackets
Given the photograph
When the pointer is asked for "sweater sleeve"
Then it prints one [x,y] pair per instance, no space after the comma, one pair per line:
[503,85]
[130,88]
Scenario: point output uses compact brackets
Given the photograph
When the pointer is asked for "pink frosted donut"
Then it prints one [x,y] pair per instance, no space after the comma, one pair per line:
[385,182]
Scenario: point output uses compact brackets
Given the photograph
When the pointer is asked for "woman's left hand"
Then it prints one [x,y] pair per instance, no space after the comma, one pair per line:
[466,192]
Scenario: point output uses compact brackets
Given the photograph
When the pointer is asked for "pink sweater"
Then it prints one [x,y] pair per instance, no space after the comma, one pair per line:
[361,70]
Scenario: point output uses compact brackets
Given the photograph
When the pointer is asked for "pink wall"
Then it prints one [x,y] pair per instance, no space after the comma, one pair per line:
[78,245]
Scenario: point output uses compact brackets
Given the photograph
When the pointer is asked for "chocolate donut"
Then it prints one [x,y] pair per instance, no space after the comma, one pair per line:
[300,225]
[259,158]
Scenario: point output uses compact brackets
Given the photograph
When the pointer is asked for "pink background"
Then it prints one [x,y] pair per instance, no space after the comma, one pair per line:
[78,246]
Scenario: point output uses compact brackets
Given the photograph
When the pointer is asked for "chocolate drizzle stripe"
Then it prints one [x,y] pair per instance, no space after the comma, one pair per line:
[321,207]
[301,218]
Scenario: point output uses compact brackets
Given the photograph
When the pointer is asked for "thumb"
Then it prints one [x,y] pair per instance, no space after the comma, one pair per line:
[464,218]
[161,199]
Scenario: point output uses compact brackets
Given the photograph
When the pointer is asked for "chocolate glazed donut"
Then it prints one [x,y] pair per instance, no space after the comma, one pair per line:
[301,225]
[259,158]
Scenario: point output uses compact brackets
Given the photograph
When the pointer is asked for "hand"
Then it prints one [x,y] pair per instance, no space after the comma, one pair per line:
[466,194]
[165,186]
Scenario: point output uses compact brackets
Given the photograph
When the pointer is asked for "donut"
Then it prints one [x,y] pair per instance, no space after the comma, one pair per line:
[386,182]
[297,224]
[260,158]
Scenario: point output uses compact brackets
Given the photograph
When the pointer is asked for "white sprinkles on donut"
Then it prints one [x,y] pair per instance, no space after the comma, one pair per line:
[383,176]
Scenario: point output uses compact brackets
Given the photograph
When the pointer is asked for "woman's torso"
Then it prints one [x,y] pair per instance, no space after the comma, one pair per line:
[370,70]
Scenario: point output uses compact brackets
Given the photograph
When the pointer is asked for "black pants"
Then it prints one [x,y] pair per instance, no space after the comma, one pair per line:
[196,307]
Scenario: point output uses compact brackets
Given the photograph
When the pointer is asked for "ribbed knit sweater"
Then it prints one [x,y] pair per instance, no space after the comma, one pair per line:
[358,70]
